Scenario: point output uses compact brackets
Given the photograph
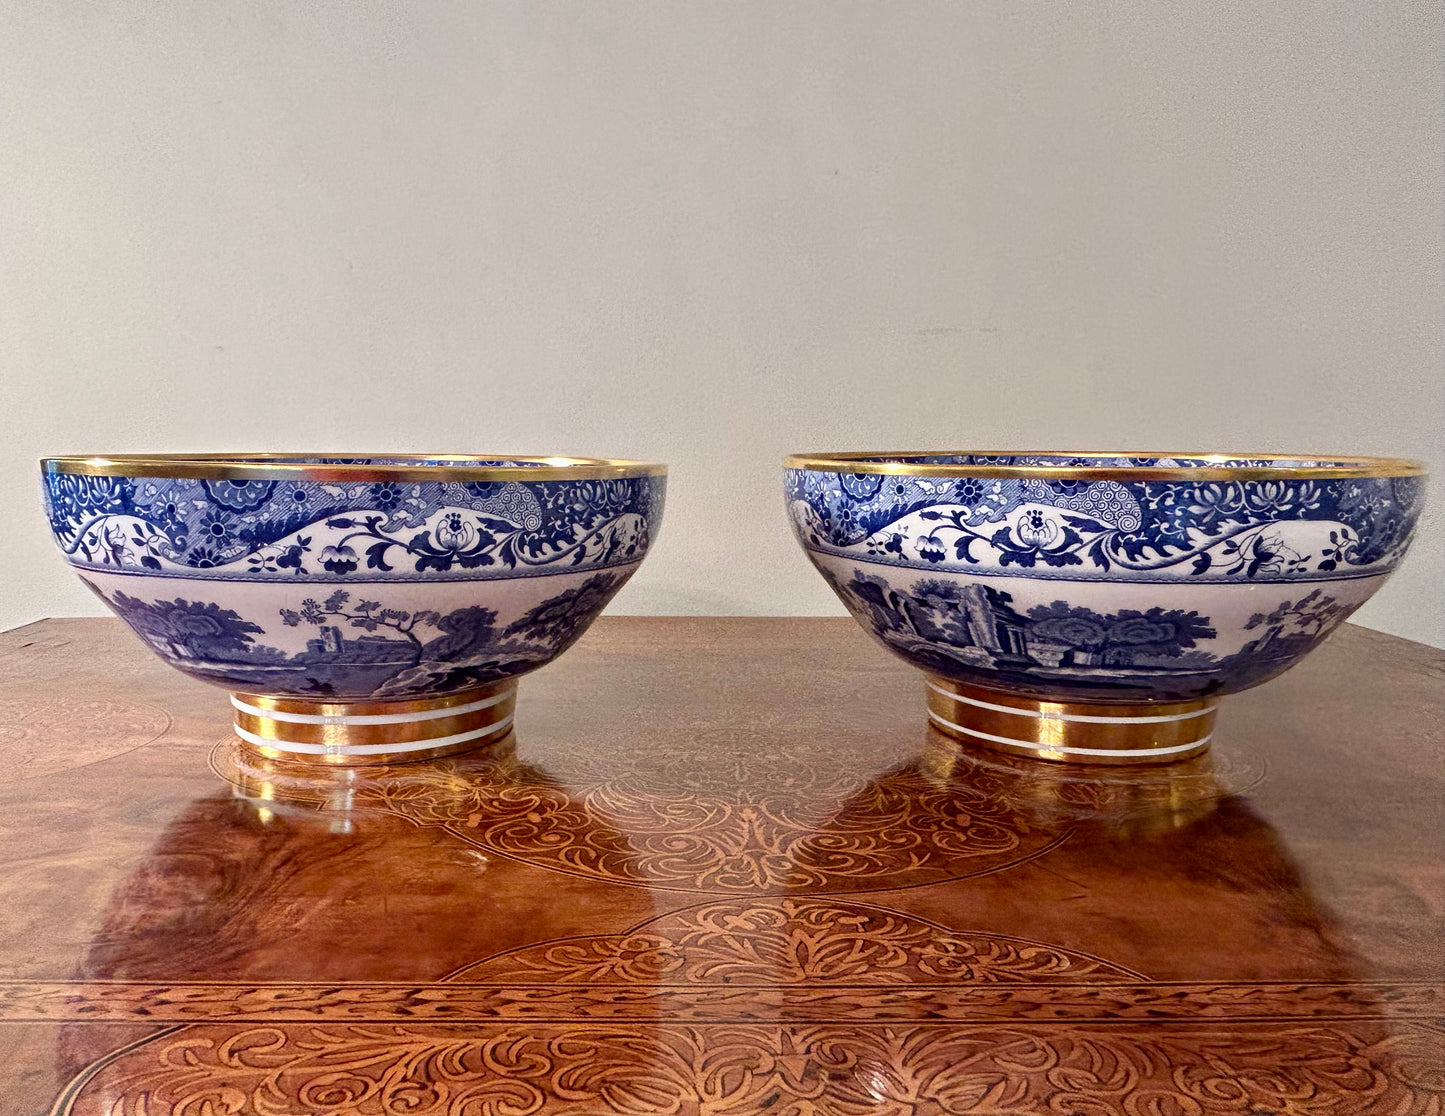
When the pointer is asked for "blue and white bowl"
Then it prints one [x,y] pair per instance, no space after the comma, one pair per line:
[1093,607]
[360,609]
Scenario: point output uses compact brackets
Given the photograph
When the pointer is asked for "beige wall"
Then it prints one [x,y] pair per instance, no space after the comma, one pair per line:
[710,233]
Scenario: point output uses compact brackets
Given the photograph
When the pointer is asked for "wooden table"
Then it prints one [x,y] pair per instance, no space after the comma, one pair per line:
[722,867]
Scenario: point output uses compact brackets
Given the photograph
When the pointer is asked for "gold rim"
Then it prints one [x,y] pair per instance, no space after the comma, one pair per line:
[896,463]
[279,466]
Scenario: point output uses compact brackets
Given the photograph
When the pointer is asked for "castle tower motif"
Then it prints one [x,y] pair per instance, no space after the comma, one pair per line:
[331,640]
[979,611]
[992,624]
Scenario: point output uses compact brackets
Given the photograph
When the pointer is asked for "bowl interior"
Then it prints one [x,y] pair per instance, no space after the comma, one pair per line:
[1107,465]
[345,466]
[389,459]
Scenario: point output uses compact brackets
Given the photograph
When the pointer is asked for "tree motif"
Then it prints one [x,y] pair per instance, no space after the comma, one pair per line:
[366,615]
[565,616]
[1120,637]
[465,632]
[189,629]
[1311,616]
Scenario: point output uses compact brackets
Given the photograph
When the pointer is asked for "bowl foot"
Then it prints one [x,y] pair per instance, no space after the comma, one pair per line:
[1071,732]
[352,733]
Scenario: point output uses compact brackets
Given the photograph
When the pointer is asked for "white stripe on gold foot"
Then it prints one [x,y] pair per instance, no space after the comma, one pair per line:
[346,733]
[1077,732]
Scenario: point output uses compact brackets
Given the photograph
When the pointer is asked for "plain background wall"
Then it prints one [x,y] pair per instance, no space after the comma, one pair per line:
[711,233]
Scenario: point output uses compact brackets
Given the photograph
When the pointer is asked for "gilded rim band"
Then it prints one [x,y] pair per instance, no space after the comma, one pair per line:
[1073,732]
[439,467]
[906,463]
[327,733]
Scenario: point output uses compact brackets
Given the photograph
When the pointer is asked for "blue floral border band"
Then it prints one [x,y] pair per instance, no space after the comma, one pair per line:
[1078,529]
[372,530]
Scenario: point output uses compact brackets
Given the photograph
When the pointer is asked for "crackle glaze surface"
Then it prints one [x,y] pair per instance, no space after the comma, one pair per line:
[1078,589]
[672,891]
[377,589]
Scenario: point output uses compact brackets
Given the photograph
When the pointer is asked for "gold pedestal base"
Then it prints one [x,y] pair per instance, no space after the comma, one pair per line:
[346,734]
[1071,732]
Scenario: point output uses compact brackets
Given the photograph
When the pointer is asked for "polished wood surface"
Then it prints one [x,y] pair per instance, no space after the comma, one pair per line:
[722,866]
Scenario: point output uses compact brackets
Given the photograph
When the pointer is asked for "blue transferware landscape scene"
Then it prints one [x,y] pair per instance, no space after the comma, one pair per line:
[361,648]
[971,632]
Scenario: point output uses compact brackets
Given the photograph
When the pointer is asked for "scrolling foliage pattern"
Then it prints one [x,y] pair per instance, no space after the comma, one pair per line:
[894,832]
[791,941]
[679,825]
[802,1070]
[355,1053]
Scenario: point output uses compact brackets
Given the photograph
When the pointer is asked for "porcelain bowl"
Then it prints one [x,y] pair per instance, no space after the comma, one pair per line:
[1093,607]
[361,609]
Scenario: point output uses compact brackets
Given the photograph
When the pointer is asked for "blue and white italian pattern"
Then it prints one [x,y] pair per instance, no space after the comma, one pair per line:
[377,590]
[1129,590]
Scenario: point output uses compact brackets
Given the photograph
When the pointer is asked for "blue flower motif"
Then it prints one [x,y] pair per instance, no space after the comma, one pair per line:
[931,549]
[969,491]
[1216,501]
[1408,492]
[900,490]
[338,559]
[1202,506]
[482,490]
[578,498]
[861,486]
[1282,497]
[1358,497]
[387,495]
[171,508]
[1369,506]
[455,533]
[239,496]
[215,527]
[1037,529]
[74,498]
[167,514]
[203,558]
